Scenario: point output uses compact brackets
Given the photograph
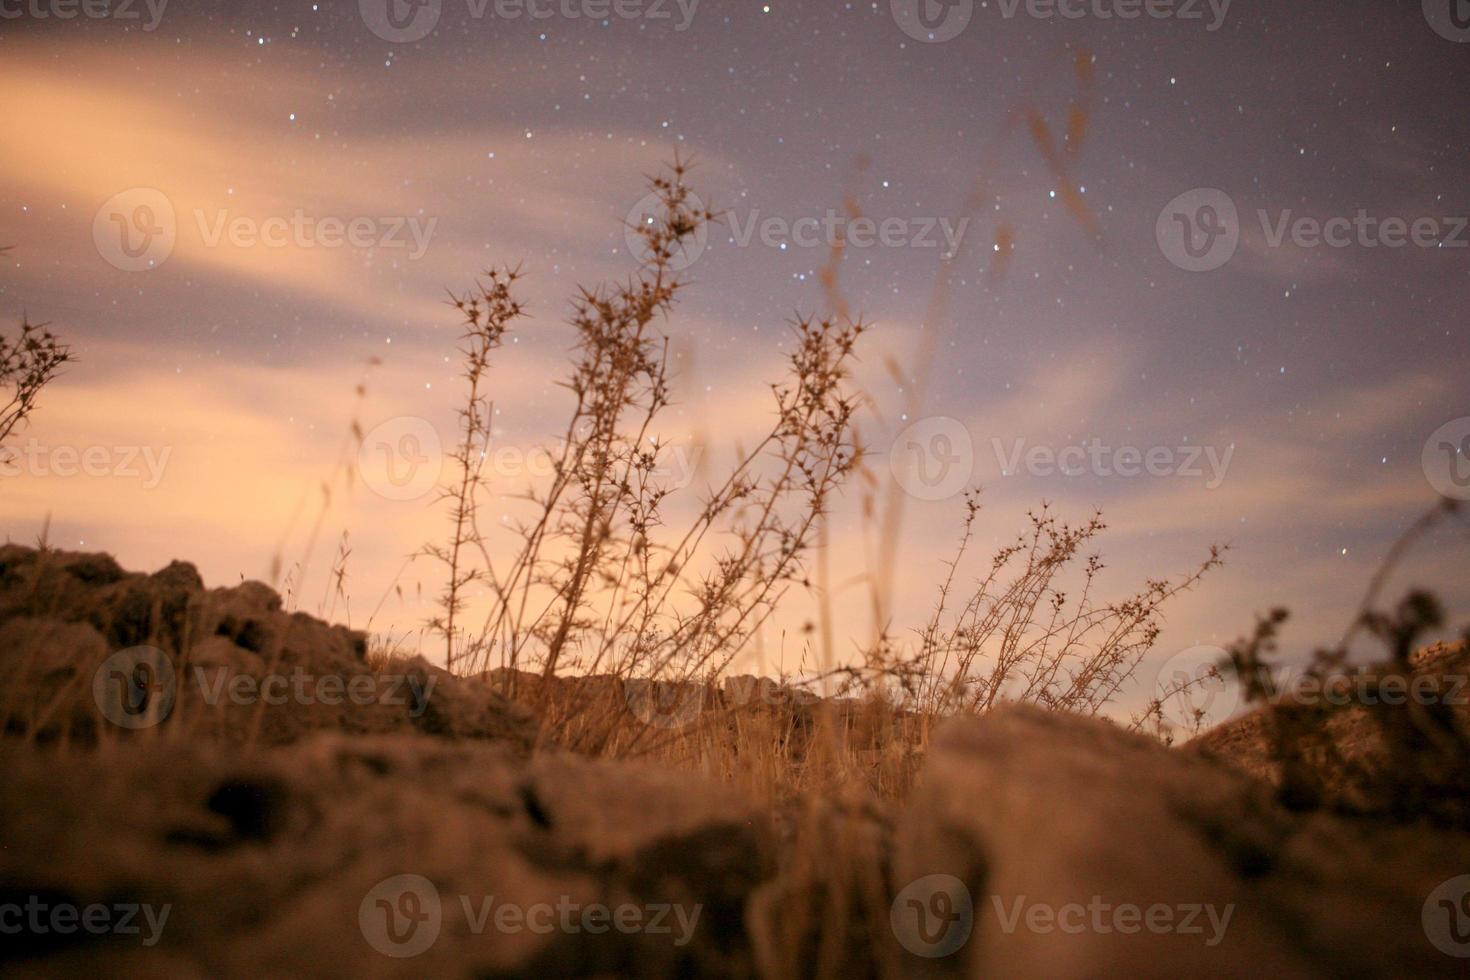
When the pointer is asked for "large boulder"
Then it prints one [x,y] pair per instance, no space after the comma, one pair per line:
[377,856]
[1045,844]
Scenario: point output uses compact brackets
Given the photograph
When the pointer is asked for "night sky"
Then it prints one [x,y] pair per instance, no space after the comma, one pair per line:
[1321,369]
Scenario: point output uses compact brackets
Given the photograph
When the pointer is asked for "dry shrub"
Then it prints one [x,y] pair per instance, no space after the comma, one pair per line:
[28,362]
[601,595]
[1019,635]
[597,584]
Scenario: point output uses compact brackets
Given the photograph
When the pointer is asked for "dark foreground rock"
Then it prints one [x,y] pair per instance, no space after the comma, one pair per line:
[1167,865]
[1036,845]
[376,856]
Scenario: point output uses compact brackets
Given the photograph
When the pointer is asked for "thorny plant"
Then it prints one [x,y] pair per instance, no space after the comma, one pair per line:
[1018,634]
[488,313]
[1176,709]
[28,363]
[1016,640]
[597,583]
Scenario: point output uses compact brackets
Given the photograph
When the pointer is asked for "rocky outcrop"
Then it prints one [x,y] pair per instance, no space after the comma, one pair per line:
[1364,741]
[91,650]
[377,856]
[1082,850]
[1037,844]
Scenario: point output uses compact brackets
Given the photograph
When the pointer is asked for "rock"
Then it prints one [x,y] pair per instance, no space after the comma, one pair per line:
[1352,766]
[223,663]
[1031,813]
[276,861]
[42,683]
[461,707]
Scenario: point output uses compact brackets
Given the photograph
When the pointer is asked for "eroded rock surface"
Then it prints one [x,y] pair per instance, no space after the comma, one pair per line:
[240,667]
[1365,744]
[1035,809]
[274,863]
